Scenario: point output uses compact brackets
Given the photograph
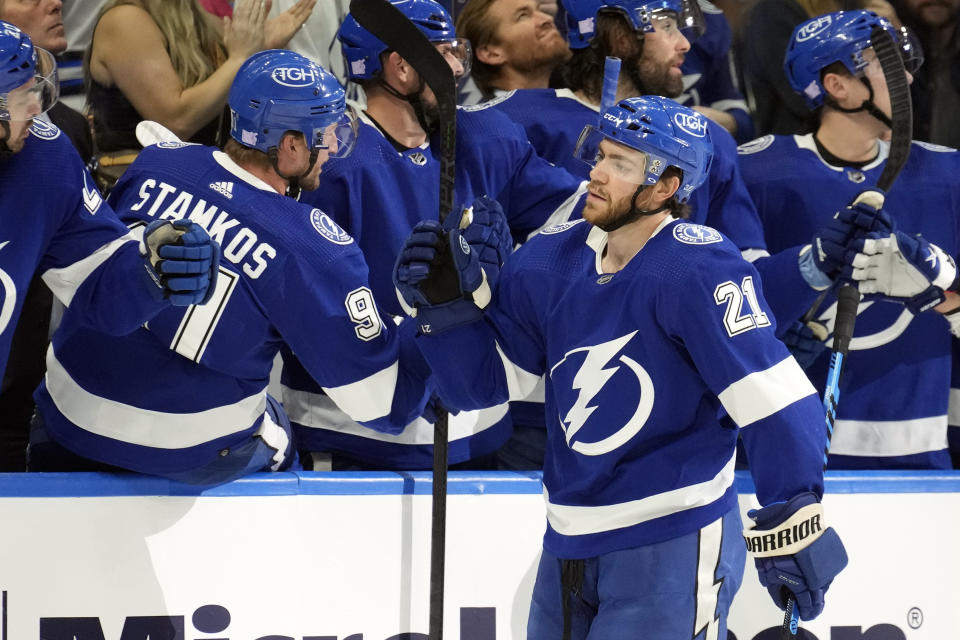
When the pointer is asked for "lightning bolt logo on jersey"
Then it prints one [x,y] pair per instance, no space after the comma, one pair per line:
[591,377]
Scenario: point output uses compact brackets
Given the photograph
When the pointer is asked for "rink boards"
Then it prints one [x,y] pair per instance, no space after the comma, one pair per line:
[321,556]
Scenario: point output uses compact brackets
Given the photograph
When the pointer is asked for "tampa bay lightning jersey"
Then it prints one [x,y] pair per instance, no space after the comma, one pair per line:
[56,223]
[377,194]
[192,382]
[894,391]
[555,118]
[709,75]
[635,451]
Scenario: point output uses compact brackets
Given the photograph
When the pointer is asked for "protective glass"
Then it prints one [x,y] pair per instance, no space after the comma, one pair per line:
[34,97]
[458,55]
[612,158]
[338,138]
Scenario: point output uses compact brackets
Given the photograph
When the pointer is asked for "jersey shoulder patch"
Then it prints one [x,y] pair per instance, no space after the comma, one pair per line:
[755,146]
[329,229]
[44,130]
[690,233]
[560,228]
[174,144]
[929,146]
[489,103]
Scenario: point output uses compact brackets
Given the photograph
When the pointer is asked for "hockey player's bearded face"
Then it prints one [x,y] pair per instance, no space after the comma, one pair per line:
[614,179]
[20,106]
[656,71]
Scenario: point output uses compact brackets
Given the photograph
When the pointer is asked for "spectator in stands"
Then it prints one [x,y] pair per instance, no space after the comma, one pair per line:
[162,60]
[42,20]
[710,80]
[936,87]
[516,44]
[776,107]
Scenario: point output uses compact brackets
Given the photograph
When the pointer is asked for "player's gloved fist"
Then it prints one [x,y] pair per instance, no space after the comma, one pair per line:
[181,261]
[805,341]
[795,552]
[485,228]
[833,246]
[438,277]
[905,269]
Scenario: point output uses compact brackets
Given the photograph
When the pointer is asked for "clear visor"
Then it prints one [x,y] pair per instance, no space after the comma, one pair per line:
[910,50]
[35,96]
[458,55]
[610,157]
[688,21]
[338,138]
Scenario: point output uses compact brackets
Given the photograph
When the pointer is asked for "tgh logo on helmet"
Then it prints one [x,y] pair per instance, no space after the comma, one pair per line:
[691,123]
[814,28]
[295,76]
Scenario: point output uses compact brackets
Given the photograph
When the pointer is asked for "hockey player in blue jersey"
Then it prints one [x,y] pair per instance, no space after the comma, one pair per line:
[388,184]
[897,377]
[643,531]
[55,222]
[185,397]
[709,82]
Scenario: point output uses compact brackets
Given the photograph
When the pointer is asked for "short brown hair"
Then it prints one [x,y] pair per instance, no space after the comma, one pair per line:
[474,24]
[246,155]
[584,71]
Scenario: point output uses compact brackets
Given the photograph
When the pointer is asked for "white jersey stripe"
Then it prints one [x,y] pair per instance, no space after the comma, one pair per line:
[65,281]
[318,411]
[763,393]
[953,417]
[569,520]
[520,382]
[367,399]
[889,437]
[145,427]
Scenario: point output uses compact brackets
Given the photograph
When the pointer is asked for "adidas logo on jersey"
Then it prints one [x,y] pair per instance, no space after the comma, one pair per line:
[224,188]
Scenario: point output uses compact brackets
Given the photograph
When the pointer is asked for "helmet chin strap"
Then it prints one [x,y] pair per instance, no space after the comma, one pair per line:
[293,188]
[415,100]
[634,214]
[868,106]
[5,150]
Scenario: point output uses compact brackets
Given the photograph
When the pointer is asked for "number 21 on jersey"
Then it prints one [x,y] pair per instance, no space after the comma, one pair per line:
[735,320]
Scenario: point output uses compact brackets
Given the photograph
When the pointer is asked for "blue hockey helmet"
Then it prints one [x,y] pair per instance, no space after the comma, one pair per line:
[361,49]
[28,76]
[643,16]
[667,133]
[842,37]
[276,91]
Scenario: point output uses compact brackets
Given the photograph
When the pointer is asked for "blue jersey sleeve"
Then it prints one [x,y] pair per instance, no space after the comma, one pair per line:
[716,309]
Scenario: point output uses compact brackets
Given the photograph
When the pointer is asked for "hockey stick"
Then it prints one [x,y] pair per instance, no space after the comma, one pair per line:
[611,77]
[848,297]
[399,34]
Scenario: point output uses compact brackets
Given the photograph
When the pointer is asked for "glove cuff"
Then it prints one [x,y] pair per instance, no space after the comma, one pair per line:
[818,280]
[787,538]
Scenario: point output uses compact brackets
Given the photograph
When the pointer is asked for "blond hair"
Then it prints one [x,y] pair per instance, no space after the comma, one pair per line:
[194,47]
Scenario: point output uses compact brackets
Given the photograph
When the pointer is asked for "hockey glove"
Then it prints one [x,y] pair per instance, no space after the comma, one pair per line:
[905,269]
[439,279]
[181,261]
[833,249]
[487,233]
[794,552]
[806,342]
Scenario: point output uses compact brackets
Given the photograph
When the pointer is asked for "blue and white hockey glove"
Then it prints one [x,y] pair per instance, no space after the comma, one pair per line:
[905,269]
[832,247]
[181,261]
[794,552]
[443,273]
[806,342]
